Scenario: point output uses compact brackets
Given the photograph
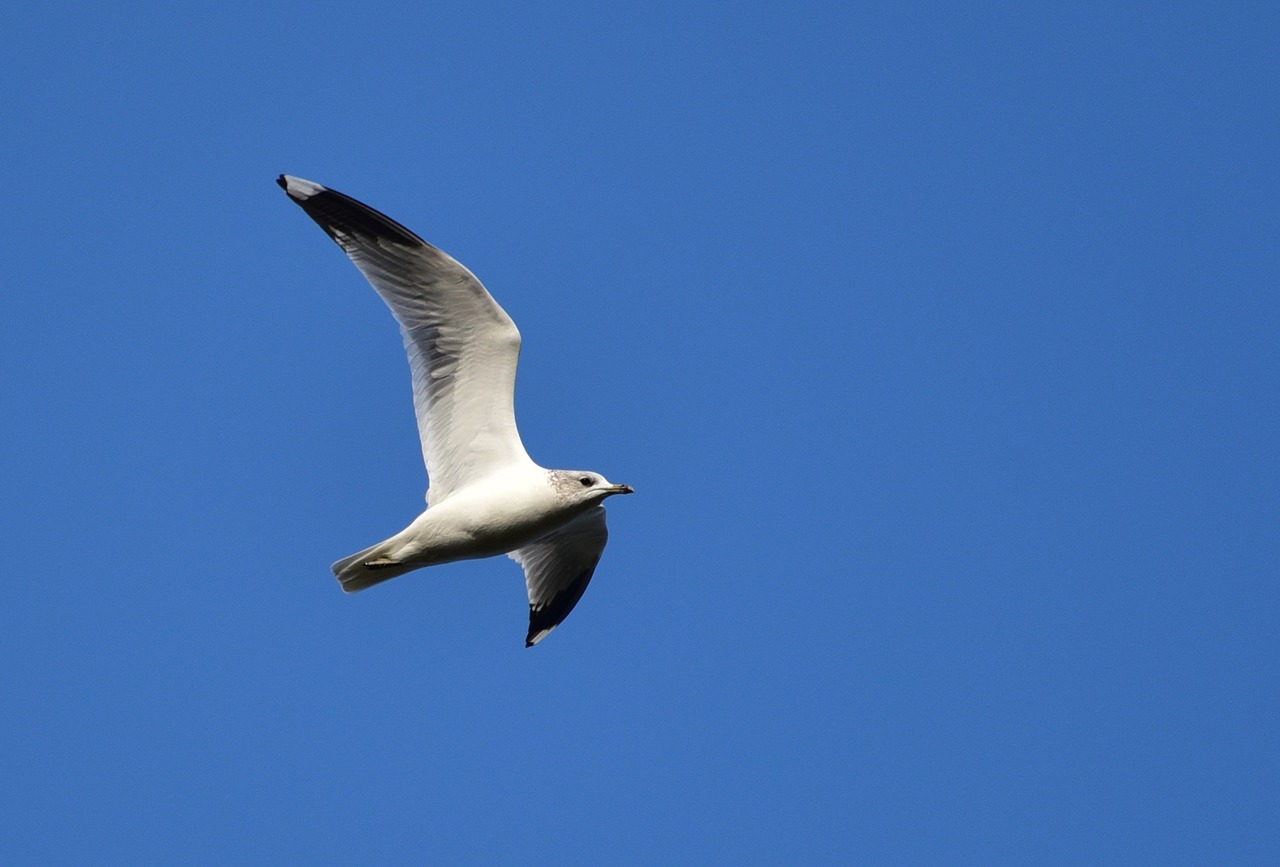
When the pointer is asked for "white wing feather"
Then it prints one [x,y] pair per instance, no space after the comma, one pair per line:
[463,348]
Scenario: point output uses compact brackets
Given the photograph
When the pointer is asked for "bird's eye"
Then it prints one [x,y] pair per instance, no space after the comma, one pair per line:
[586,481]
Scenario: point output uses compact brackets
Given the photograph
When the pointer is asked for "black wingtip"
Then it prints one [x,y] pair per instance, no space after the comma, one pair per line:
[543,619]
[534,636]
[337,213]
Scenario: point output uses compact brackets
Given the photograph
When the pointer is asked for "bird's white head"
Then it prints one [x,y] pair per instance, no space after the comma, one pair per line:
[582,487]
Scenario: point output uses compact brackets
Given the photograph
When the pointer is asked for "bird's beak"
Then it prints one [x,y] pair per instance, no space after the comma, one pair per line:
[622,489]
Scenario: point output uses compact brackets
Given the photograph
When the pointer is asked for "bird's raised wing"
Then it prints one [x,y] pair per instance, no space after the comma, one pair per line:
[463,348]
[557,569]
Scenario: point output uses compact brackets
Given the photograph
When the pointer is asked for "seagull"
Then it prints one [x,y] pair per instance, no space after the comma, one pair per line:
[485,495]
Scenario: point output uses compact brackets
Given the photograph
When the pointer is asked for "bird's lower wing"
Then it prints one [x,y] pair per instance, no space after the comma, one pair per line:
[557,569]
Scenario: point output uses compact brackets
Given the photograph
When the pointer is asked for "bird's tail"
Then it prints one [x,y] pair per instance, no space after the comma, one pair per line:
[368,567]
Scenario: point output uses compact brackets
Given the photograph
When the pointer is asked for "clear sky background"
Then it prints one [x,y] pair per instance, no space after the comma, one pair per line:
[938,340]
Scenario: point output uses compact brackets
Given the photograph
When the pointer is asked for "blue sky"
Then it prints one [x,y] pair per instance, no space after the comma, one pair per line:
[938,340]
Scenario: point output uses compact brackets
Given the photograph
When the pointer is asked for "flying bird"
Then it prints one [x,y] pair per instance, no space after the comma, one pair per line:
[485,495]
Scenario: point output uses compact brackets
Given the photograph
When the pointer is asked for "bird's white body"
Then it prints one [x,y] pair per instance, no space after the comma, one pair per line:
[496,515]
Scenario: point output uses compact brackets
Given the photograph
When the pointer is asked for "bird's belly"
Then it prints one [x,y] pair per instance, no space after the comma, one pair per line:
[475,527]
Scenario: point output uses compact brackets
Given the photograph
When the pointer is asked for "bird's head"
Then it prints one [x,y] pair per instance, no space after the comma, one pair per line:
[584,487]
